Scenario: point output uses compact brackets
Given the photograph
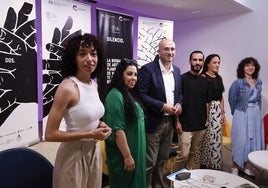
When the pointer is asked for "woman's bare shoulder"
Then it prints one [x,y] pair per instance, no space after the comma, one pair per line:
[67,87]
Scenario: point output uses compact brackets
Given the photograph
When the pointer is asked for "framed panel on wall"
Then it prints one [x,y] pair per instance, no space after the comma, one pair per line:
[150,33]
[18,74]
[61,19]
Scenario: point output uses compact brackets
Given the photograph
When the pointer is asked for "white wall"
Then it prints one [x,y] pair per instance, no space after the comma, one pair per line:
[233,37]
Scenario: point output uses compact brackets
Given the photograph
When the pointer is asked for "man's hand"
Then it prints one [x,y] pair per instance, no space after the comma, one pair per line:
[178,109]
[172,110]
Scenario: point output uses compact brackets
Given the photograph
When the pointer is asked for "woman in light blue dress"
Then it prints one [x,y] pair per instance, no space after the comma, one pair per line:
[245,102]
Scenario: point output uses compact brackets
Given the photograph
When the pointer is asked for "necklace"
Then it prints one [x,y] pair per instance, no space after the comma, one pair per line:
[212,76]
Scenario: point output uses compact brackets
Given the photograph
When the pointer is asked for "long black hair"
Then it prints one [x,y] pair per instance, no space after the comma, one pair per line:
[128,94]
[207,61]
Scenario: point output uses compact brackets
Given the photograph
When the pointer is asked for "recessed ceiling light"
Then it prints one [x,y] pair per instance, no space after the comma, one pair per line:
[196,12]
[176,6]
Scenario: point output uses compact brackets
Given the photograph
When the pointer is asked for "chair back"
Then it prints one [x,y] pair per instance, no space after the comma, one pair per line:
[226,132]
[226,128]
[104,157]
[265,121]
[24,168]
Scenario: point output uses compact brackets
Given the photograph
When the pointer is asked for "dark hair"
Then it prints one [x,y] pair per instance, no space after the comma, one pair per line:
[196,52]
[128,94]
[69,67]
[248,60]
[207,61]
[218,77]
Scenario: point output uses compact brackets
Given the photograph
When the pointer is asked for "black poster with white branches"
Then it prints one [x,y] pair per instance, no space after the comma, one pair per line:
[18,74]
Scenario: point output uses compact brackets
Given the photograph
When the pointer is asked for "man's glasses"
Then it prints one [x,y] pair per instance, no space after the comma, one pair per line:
[167,49]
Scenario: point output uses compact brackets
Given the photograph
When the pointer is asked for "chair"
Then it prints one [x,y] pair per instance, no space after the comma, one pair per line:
[24,168]
[265,121]
[103,153]
[226,133]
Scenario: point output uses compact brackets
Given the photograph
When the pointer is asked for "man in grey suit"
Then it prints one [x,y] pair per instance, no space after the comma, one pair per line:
[160,92]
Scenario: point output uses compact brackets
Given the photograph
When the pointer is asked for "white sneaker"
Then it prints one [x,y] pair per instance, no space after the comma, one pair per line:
[249,172]
[234,171]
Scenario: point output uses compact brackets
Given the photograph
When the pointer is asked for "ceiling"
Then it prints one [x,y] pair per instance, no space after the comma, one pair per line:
[180,10]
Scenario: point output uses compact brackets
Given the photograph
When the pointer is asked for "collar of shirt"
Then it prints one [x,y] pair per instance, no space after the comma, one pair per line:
[163,70]
[169,83]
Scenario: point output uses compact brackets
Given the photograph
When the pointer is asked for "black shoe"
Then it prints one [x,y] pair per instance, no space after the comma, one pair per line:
[248,172]
[203,166]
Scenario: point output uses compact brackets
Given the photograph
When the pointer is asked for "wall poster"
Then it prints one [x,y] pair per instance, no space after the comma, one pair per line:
[61,19]
[18,74]
[116,32]
[150,33]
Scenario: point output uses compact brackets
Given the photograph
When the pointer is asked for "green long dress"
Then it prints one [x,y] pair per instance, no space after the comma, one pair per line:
[135,132]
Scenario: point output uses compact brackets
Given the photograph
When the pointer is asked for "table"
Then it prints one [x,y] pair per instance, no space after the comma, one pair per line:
[259,159]
[204,178]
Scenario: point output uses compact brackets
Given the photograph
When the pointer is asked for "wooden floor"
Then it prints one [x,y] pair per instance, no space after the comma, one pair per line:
[48,149]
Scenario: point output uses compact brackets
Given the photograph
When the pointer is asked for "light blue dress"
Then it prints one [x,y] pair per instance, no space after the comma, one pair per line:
[247,131]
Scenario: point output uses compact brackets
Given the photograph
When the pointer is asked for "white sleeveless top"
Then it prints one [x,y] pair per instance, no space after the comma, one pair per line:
[85,115]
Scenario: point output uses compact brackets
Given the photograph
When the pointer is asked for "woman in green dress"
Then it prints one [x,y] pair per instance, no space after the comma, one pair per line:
[126,146]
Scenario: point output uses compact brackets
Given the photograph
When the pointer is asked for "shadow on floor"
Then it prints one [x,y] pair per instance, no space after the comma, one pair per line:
[105,181]
[261,177]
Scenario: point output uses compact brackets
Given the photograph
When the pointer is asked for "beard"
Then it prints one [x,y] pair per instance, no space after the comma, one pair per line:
[196,68]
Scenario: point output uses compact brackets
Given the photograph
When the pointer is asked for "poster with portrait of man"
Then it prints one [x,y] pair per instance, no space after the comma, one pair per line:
[18,74]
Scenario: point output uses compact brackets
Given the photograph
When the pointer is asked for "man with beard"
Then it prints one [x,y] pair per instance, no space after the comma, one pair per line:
[194,111]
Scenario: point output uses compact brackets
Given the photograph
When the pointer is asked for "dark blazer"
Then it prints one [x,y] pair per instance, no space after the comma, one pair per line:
[152,92]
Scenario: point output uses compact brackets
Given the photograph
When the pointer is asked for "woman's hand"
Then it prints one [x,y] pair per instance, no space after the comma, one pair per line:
[129,163]
[101,133]
[222,118]
[102,124]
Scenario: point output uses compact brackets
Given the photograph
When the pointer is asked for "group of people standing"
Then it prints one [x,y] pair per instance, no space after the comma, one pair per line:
[142,110]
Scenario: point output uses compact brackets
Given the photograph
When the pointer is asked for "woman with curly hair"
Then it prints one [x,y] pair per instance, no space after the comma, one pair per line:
[78,162]
[245,102]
